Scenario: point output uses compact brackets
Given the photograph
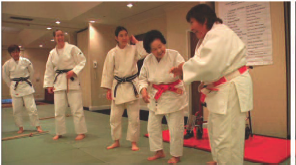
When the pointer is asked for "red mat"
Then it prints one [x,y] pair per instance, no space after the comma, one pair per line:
[259,149]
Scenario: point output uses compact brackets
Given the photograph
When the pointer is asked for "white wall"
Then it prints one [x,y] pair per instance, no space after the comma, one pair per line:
[101,41]
[84,76]
[140,24]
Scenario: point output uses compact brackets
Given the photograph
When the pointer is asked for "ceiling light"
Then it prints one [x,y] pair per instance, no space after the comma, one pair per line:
[130,5]
[40,46]
[20,46]
[92,21]
[66,33]
[57,22]
[48,28]
[52,40]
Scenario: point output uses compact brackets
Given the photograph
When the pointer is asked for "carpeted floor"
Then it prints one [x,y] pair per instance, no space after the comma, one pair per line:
[43,150]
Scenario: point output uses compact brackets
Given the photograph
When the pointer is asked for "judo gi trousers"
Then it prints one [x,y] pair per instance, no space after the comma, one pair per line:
[17,106]
[227,132]
[175,122]
[61,100]
[133,110]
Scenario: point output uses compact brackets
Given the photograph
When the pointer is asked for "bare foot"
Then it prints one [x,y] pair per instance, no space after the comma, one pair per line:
[21,130]
[114,145]
[212,163]
[39,129]
[80,137]
[174,160]
[56,137]
[134,146]
[158,154]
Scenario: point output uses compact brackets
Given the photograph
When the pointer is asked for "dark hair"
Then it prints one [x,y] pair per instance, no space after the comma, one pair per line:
[13,48]
[201,13]
[150,37]
[54,32]
[119,29]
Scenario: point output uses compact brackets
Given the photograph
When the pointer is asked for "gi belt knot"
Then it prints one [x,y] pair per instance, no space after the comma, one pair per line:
[21,79]
[126,79]
[60,72]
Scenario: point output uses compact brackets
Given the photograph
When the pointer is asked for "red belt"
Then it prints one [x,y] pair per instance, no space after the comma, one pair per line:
[166,87]
[222,80]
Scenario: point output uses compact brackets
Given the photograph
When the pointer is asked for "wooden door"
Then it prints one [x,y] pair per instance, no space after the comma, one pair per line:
[49,98]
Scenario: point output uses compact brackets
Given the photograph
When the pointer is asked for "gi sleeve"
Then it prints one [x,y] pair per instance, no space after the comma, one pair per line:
[179,59]
[49,73]
[209,61]
[79,59]
[108,71]
[141,52]
[30,69]
[5,74]
[143,78]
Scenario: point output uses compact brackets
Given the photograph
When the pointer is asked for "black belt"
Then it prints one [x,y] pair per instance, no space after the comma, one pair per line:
[126,79]
[21,79]
[60,72]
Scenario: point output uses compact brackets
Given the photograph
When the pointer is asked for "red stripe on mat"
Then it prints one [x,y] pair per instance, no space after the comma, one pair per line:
[259,149]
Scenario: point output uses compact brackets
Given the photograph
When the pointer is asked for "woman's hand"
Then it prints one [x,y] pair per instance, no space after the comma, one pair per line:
[145,95]
[133,39]
[109,94]
[50,90]
[70,74]
[177,71]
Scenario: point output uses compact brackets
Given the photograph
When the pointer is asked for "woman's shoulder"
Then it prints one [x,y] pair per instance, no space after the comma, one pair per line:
[112,51]
[173,54]
[148,57]
[25,60]
[220,29]
[7,62]
[172,51]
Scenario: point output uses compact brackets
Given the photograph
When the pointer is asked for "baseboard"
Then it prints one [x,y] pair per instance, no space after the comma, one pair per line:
[104,107]
[39,99]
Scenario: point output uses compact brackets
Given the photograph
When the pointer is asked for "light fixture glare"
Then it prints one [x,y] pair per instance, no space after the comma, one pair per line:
[130,5]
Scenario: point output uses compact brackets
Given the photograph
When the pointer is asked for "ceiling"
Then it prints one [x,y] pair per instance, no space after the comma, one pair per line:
[74,16]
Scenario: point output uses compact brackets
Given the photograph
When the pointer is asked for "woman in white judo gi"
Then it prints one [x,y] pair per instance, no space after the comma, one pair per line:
[164,94]
[121,81]
[227,92]
[64,64]
[16,73]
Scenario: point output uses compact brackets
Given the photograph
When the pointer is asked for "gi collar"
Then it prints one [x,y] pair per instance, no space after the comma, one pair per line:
[124,47]
[20,58]
[66,44]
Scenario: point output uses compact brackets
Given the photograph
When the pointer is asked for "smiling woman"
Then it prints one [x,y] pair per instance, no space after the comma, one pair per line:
[59,38]
[164,94]
[154,42]
[202,19]
[226,88]
[63,66]
[119,77]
